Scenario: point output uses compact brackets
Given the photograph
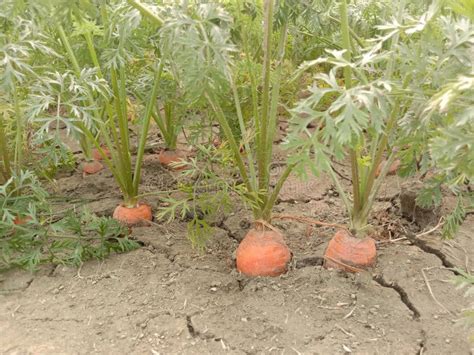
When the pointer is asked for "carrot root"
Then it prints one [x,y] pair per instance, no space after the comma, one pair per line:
[134,216]
[263,253]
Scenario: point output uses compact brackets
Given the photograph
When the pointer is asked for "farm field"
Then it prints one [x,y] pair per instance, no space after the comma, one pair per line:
[242,177]
[166,297]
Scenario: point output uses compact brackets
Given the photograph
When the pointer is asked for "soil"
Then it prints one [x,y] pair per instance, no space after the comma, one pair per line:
[167,298]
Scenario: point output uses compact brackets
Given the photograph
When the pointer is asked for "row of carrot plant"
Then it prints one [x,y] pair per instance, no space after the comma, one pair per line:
[386,87]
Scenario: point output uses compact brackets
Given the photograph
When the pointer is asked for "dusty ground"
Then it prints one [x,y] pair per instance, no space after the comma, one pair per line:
[167,298]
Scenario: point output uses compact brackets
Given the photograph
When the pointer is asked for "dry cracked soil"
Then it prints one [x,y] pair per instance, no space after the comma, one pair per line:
[167,298]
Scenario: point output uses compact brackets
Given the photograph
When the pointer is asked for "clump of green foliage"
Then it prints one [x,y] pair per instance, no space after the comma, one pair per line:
[203,193]
[198,40]
[37,105]
[383,109]
[31,234]
[442,141]
[23,53]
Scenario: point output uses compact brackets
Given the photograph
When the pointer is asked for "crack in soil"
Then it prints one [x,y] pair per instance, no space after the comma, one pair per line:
[195,333]
[391,199]
[19,289]
[401,292]
[224,227]
[242,283]
[422,342]
[294,201]
[53,269]
[189,325]
[48,319]
[430,250]
[28,284]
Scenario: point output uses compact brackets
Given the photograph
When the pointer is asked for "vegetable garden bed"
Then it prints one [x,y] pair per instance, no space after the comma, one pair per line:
[258,176]
[166,297]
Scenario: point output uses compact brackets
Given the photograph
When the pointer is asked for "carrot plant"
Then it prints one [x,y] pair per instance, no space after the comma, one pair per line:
[30,233]
[14,70]
[378,96]
[114,128]
[451,148]
[95,94]
[203,56]
[22,53]
[168,117]
[72,24]
[447,117]
[168,112]
[199,45]
[353,124]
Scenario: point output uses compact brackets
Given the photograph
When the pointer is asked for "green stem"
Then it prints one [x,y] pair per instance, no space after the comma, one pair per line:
[86,148]
[145,126]
[108,107]
[166,125]
[383,143]
[346,44]
[232,143]
[171,126]
[130,200]
[267,210]
[69,51]
[248,151]
[85,144]
[276,93]
[395,39]
[4,152]
[378,183]
[381,149]
[254,91]
[146,12]
[263,132]
[18,157]
[103,13]
[93,53]
[105,19]
[307,32]
[360,41]
[108,130]
[124,148]
[339,187]
[160,122]
[250,68]
[114,168]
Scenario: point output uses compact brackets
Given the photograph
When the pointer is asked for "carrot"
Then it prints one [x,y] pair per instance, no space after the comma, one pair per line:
[263,253]
[133,216]
[216,142]
[91,167]
[96,155]
[391,171]
[21,220]
[170,157]
[348,253]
